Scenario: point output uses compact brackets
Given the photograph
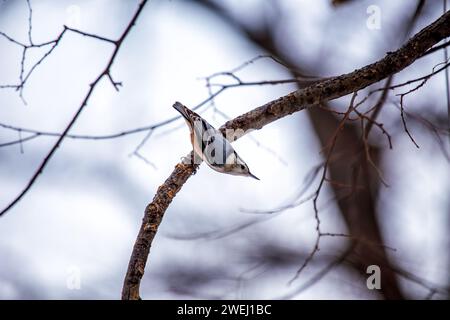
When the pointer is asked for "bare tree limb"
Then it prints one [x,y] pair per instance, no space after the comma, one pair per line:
[298,100]
[92,86]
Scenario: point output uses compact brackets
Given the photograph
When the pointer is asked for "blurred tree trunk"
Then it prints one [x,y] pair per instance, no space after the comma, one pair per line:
[359,209]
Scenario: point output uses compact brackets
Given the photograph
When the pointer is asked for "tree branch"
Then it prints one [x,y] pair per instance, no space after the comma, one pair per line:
[298,100]
[105,72]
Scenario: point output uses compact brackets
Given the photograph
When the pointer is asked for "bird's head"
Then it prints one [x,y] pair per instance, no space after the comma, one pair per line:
[240,168]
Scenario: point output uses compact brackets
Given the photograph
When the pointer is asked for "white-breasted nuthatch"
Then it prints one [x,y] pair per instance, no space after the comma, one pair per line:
[211,146]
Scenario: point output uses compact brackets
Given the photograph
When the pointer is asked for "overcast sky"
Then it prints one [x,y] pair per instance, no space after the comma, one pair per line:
[81,218]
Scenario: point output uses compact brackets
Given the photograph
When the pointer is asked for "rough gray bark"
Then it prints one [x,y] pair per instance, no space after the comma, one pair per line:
[298,100]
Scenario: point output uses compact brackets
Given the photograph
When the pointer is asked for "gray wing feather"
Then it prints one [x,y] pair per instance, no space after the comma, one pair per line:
[216,150]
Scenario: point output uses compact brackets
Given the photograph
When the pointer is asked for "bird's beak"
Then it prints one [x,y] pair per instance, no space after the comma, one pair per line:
[181,109]
[253,176]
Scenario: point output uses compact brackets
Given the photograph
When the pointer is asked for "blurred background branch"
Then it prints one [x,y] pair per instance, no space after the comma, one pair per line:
[344,184]
[352,205]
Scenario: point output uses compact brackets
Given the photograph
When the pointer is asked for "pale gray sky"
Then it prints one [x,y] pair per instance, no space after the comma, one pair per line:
[83,214]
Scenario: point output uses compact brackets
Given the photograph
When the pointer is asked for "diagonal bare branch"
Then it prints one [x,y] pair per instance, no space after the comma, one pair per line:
[92,86]
[257,118]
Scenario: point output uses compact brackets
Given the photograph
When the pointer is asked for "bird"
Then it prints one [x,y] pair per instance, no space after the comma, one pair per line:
[211,146]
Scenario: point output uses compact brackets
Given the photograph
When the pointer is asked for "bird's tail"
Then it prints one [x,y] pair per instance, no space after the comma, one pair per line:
[185,112]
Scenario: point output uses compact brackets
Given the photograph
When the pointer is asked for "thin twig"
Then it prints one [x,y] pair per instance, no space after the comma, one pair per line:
[92,86]
[272,111]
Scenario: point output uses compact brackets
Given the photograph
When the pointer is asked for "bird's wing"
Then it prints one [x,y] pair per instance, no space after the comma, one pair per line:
[211,145]
[219,152]
[203,135]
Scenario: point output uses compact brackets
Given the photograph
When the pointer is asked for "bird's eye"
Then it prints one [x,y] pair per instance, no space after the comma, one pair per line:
[242,167]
